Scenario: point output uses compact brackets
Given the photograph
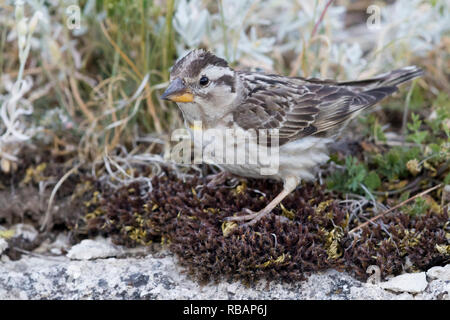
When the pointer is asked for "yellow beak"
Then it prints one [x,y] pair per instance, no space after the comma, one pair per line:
[177,92]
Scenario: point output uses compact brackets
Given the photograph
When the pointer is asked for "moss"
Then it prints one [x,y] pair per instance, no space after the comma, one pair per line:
[188,217]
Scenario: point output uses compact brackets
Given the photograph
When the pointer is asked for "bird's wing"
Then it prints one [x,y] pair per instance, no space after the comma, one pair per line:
[389,79]
[300,109]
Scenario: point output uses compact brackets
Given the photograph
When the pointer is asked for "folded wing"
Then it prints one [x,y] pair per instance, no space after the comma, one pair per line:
[300,107]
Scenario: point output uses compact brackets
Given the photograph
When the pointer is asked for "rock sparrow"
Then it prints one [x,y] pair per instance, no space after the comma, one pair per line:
[307,114]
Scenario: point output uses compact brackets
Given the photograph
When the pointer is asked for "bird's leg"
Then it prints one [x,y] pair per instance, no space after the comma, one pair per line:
[290,183]
[218,178]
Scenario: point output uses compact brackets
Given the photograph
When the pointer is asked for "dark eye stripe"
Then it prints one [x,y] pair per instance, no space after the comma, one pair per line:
[226,80]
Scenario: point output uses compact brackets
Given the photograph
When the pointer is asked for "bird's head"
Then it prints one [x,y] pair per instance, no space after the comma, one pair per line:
[203,86]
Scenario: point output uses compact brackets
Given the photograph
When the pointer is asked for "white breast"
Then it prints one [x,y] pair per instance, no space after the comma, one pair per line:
[303,157]
[299,158]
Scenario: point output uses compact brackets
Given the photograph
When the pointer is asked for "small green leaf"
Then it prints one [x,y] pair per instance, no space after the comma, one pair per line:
[372,180]
[447,179]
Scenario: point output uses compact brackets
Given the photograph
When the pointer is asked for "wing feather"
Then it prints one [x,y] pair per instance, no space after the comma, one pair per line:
[300,107]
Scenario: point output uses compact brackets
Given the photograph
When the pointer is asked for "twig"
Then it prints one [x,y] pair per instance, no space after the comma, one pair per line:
[79,100]
[316,26]
[397,191]
[395,207]
[406,110]
[28,72]
[167,40]
[121,53]
[224,29]
[148,91]
[47,216]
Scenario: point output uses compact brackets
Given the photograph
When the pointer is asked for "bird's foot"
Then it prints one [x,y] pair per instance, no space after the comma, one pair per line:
[252,217]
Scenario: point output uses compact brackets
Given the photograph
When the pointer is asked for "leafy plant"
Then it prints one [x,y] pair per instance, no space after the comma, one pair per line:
[371,127]
[355,174]
[440,122]
[392,165]
[417,136]
[420,206]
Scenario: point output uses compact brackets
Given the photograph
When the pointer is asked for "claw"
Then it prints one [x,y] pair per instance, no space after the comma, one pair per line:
[252,216]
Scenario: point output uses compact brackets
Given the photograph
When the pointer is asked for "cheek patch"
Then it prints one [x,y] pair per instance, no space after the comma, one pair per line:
[226,80]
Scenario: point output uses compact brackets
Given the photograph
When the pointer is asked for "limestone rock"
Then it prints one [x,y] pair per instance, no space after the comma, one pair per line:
[3,245]
[26,231]
[93,249]
[441,273]
[408,282]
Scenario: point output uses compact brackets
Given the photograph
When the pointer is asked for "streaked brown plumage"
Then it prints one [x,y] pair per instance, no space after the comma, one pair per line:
[308,113]
[300,107]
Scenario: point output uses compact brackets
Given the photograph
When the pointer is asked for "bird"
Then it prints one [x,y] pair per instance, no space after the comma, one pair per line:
[307,114]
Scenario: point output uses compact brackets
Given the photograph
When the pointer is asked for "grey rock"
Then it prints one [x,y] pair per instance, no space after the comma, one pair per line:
[57,247]
[26,231]
[85,274]
[56,251]
[3,245]
[159,276]
[232,288]
[441,273]
[436,290]
[408,282]
[94,249]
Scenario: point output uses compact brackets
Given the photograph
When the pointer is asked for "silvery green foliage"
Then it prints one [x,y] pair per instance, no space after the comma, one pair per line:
[292,22]
[230,38]
[223,32]
[259,30]
[234,12]
[235,31]
[416,25]
[350,56]
[13,104]
[255,47]
[191,22]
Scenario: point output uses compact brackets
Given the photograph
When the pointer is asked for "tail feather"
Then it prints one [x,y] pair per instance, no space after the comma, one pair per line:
[396,77]
[333,117]
[337,112]
[393,78]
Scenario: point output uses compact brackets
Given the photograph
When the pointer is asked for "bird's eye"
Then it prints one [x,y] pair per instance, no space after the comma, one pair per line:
[204,81]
